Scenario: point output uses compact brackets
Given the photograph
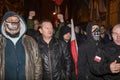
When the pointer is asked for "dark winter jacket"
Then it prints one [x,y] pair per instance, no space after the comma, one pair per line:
[106,55]
[86,53]
[55,59]
[106,39]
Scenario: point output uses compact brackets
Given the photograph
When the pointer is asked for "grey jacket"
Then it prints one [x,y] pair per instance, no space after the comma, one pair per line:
[33,66]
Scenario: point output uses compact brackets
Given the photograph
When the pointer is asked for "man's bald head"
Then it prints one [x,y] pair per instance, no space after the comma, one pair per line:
[116,34]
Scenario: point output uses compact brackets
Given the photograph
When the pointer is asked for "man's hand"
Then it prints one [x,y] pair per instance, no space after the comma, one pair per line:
[60,17]
[115,67]
[31,14]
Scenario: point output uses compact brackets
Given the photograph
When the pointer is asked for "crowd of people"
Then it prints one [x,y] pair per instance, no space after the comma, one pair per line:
[37,50]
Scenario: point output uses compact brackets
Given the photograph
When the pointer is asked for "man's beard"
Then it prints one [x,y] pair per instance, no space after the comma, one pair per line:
[13,35]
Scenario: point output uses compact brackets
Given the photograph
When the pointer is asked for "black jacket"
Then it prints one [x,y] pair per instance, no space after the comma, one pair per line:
[86,53]
[55,59]
[108,54]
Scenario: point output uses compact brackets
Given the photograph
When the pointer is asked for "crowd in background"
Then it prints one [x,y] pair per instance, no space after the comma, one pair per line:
[98,49]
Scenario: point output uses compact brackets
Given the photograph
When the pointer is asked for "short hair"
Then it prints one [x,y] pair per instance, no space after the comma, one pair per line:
[42,21]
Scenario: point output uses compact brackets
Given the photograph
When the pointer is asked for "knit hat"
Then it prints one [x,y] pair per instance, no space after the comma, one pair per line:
[64,30]
[8,14]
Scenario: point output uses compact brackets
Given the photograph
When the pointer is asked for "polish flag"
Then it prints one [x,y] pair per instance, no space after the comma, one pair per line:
[97,59]
[74,47]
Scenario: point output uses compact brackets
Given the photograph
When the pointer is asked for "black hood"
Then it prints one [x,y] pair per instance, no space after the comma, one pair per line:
[89,30]
[8,14]
[64,30]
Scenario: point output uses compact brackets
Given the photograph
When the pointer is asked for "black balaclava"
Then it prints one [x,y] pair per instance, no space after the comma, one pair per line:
[95,34]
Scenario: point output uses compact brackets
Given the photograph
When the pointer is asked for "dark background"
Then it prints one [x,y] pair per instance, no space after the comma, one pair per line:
[77,9]
[45,8]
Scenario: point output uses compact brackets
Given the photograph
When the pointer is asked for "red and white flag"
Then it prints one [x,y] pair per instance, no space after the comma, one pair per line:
[74,47]
[97,59]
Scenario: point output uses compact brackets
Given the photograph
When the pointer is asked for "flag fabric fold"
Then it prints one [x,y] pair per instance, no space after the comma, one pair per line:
[74,47]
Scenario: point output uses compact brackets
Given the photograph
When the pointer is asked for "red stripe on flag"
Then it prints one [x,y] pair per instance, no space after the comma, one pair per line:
[74,48]
[74,54]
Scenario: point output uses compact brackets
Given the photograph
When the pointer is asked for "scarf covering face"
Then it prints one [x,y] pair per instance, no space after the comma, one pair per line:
[21,24]
[96,33]
[12,29]
[93,32]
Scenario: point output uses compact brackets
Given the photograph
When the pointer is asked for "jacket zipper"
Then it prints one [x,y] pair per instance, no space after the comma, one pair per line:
[50,67]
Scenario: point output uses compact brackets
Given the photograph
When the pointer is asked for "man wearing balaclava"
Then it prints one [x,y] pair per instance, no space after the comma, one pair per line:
[19,55]
[87,51]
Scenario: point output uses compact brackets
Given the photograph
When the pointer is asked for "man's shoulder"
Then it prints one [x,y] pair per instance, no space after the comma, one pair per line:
[1,36]
[109,45]
[28,38]
[59,42]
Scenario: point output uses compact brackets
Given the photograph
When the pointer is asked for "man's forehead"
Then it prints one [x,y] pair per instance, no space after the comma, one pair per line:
[12,18]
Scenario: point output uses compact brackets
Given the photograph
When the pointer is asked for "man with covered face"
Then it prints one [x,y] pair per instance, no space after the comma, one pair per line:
[106,62]
[87,51]
[19,53]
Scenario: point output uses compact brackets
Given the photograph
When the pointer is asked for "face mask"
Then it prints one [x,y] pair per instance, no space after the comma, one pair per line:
[12,28]
[12,25]
[96,34]
[13,36]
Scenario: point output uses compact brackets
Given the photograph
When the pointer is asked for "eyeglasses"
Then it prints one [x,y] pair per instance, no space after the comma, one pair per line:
[12,19]
[12,23]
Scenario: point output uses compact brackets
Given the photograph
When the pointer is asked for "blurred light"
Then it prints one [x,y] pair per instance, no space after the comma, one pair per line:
[54,13]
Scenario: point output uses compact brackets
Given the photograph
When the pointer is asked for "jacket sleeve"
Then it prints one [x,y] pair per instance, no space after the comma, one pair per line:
[82,63]
[67,59]
[38,65]
[30,23]
[33,59]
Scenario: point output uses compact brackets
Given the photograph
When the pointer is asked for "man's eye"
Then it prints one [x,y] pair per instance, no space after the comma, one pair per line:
[115,34]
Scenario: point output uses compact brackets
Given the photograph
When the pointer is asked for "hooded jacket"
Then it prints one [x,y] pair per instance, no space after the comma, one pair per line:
[86,52]
[33,65]
[64,30]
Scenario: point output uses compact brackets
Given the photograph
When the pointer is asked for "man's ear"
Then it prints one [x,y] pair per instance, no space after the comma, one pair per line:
[40,30]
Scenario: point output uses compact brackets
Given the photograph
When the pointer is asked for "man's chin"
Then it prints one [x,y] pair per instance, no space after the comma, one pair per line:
[13,35]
